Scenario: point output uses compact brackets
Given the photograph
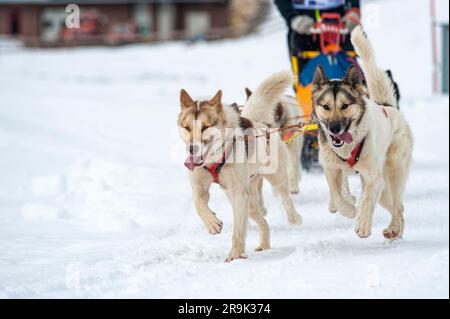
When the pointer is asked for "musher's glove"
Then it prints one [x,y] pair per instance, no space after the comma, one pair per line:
[351,19]
[302,24]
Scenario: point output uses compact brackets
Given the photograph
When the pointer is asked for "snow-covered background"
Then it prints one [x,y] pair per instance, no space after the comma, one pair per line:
[95,201]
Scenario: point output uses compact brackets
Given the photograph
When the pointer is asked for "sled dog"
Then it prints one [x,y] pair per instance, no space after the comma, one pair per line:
[205,126]
[287,113]
[364,135]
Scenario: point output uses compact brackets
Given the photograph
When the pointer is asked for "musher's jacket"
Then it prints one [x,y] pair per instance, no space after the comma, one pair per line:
[292,8]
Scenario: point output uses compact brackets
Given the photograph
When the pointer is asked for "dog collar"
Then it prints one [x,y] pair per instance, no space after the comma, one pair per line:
[215,168]
[356,154]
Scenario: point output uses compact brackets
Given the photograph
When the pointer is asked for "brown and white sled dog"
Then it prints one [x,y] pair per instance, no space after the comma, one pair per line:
[368,136]
[287,113]
[212,131]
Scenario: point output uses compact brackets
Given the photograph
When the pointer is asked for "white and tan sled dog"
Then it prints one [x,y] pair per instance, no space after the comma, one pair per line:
[287,113]
[365,135]
[236,151]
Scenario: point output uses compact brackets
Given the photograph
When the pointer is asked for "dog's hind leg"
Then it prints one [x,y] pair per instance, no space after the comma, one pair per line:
[294,166]
[396,227]
[337,201]
[200,191]
[346,192]
[257,215]
[280,183]
[392,197]
[239,192]
[332,208]
[344,187]
[261,204]
[240,203]
[374,185]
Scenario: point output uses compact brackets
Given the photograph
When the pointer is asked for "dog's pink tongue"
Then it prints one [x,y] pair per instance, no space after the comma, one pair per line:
[192,162]
[346,137]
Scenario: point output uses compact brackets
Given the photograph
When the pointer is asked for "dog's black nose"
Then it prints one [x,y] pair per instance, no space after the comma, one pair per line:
[193,149]
[335,127]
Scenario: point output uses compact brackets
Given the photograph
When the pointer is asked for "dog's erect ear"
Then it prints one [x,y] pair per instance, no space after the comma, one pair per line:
[248,92]
[217,99]
[320,78]
[352,77]
[185,100]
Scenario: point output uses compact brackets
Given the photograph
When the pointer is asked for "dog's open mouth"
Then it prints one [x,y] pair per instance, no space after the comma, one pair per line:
[197,160]
[193,161]
[341,139]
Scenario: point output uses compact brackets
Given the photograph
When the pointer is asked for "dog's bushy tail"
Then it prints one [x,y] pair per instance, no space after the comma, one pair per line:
[381,87]
[261,105]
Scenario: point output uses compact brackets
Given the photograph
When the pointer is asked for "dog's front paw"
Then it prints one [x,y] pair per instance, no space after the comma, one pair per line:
[332,208]
[295,219]
[294,189]
[393,232]
[364,228]
[234,255]
[348,210]
[213,224]
[262,247]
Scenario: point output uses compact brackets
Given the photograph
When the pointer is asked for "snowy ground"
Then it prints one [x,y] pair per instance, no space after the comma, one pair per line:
[95,202]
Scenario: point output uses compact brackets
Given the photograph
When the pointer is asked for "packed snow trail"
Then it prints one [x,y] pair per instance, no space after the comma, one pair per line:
[95,200]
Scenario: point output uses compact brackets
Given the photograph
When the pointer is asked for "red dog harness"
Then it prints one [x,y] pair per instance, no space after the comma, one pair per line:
[215,168]
[356,153]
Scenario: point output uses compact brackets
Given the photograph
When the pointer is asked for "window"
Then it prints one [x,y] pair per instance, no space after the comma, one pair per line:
[14,24]
[143,18]
[166,14]
[197,23]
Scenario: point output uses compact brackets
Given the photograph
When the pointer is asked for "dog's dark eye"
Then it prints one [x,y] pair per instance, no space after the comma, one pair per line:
[187,128]
[326,107]
[345,106]
[205,128]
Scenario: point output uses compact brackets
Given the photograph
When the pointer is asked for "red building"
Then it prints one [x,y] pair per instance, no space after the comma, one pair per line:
[43,22]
